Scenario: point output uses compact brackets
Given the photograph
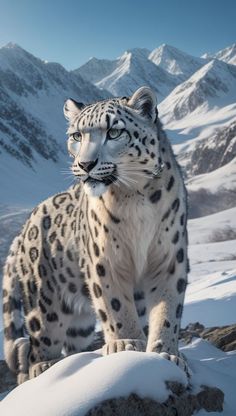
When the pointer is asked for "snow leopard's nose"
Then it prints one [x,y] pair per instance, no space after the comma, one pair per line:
[87,166]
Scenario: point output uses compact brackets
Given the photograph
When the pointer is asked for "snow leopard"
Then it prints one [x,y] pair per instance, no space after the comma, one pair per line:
[112,248]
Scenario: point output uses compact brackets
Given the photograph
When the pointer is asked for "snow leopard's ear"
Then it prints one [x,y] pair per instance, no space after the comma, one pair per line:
[72,108]
[144,102]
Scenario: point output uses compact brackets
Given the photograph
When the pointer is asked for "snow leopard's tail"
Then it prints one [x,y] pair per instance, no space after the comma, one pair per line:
[16,346]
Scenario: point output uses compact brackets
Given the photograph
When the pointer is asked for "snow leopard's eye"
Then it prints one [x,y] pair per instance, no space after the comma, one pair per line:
[73,145]
[77,136]
[114,133]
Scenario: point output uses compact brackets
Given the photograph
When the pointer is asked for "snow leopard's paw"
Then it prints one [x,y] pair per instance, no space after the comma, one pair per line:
[179,360]
[118,345]
[38,368]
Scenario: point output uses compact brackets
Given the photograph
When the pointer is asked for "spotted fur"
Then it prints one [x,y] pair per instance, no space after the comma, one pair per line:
[113,246]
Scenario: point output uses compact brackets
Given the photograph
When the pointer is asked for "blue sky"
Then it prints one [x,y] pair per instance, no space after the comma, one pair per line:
[72,31]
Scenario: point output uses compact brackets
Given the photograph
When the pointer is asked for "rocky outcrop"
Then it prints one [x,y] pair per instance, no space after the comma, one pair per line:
[223,337]
[214,152]
[180,402]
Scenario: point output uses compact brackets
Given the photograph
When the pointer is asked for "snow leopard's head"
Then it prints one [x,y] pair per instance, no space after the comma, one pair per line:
[114,141]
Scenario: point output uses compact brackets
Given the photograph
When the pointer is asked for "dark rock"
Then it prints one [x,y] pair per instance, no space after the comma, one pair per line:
[211,399]
[222,337]
[183,404]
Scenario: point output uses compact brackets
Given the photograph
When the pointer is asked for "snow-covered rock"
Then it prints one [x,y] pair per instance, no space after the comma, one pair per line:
[71,388]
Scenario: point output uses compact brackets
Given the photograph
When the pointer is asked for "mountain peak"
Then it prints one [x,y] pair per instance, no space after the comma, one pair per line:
[175,61]
[227,54]
[12,45]
[136,53]
[166,47]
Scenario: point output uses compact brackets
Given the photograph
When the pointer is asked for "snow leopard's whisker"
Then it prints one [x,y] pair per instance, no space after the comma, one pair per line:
[121,180]
[132,172]
[126,180]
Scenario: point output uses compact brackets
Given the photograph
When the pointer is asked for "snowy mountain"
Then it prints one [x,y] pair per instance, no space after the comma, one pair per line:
[129,72]
[176,62]
[32,125]
[135,68]
[200,118]
[227,55]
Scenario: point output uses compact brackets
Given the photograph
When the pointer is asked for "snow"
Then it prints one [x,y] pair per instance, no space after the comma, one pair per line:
[211,293]
[213,367]
[211,299]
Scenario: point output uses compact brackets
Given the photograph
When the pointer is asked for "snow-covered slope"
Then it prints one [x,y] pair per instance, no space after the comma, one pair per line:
[213,86]
[212,192]
[213,228]
[211,293]
[227,55]
[32,126]
[175,61]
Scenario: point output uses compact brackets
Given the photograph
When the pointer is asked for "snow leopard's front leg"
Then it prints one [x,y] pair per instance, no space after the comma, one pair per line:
[114,304]
[165,306]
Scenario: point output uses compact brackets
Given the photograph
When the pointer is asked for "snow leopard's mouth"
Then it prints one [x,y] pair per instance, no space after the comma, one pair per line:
[101,177]
[106,181]
[97,187]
